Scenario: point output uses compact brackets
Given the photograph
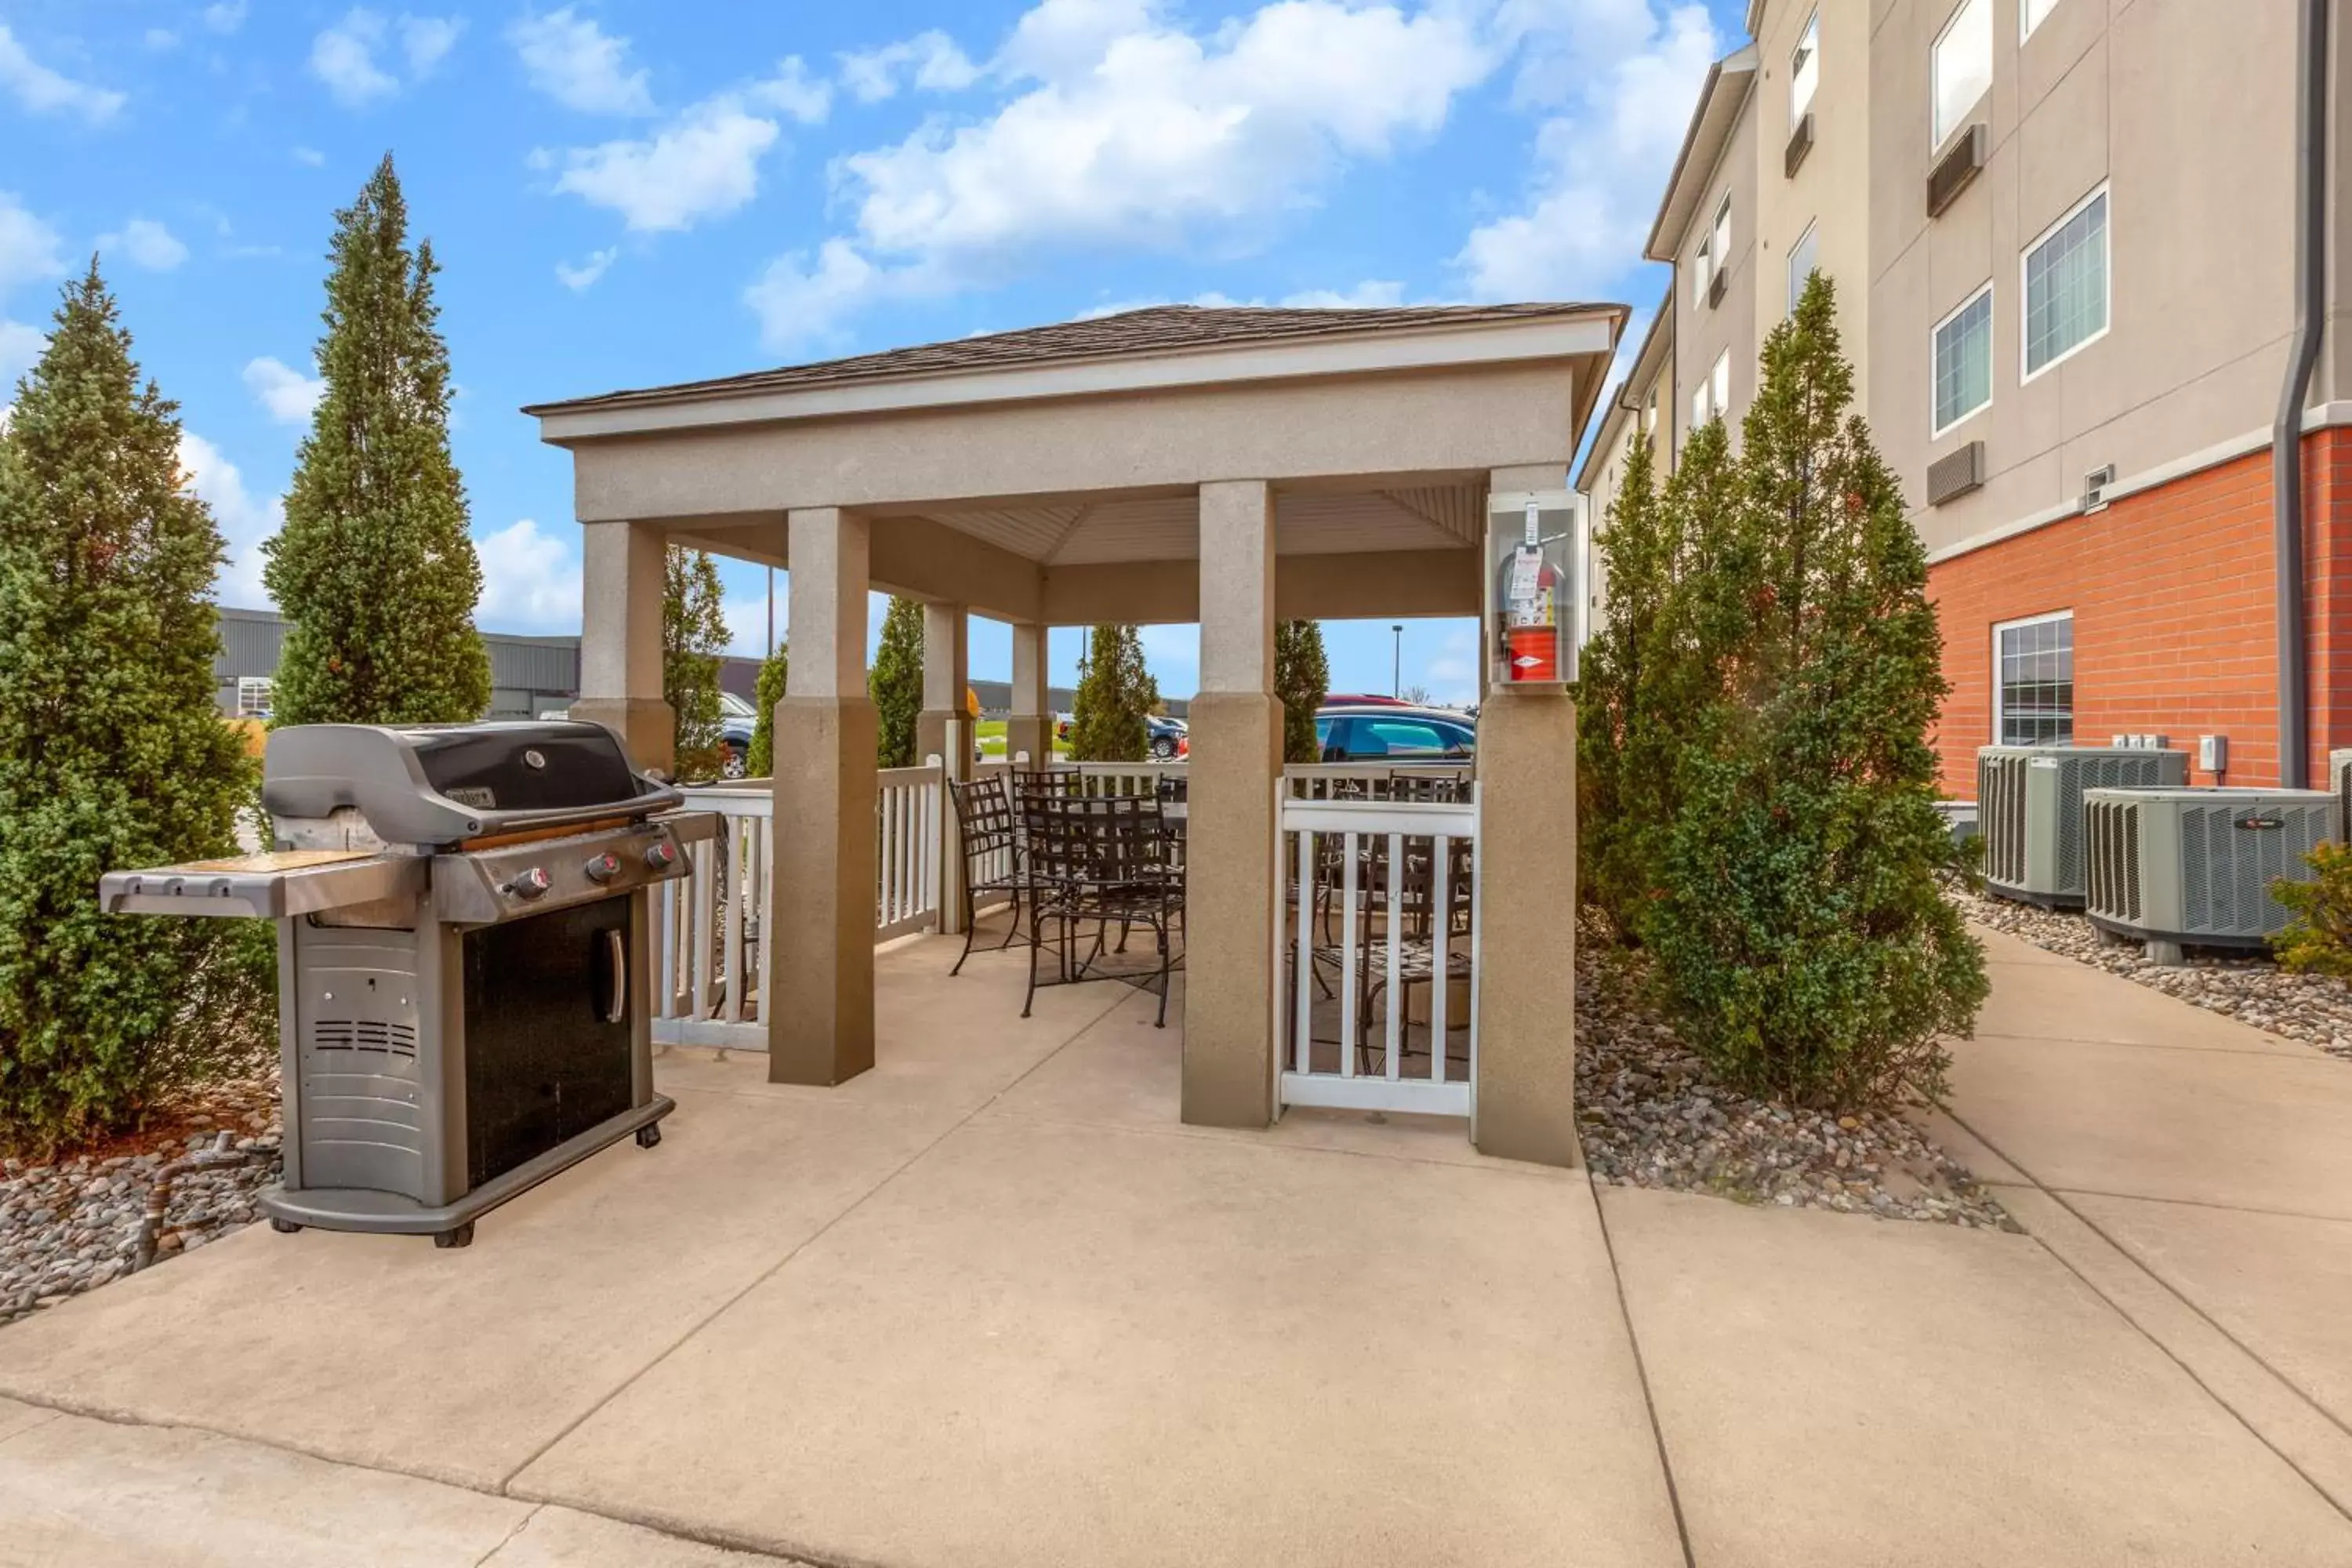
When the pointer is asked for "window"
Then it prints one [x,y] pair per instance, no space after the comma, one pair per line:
[2030,13]
[2033,684]
[1702,274]
[1805,69]
[1698,405]
[1961,66]
[253,696]
[1721,380]
[1719,242]
[1650,413]
[1802,259]
[2066,285]
[1963,356]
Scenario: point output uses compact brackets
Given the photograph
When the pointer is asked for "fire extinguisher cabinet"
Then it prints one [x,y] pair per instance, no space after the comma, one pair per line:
[1535,586]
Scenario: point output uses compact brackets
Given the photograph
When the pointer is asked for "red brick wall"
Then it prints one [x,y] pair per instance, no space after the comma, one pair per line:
[2174,630]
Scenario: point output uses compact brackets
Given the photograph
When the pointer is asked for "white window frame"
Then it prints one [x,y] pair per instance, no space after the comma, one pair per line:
[2027,21]
[1700,413]
[2025,301]
[1719,236]
[1797,284]
[1809,42]
[1719,382]
[249,687]
[1938,134]
[1650,411]
[2020,621]
[1937,432]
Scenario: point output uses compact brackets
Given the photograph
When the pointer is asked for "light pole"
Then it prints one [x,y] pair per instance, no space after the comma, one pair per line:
[1396,664]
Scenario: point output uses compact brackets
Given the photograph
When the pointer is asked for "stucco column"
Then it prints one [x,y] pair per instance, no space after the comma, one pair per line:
[621,588]
[1236,755]
[943,729]
[1031,727]
[819,931]
[1526,1092]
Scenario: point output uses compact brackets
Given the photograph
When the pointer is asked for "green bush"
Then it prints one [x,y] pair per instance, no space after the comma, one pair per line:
[897,684]
[112,756]
[761,761]
[1801,931]
[2318,940]
[1115,691]
[1302,679]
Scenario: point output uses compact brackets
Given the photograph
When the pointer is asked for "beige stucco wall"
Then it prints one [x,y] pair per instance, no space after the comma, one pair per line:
[2185,108]
[1830,190]
[1703,332]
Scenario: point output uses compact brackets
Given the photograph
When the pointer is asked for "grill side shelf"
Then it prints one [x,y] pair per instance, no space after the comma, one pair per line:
[264,886]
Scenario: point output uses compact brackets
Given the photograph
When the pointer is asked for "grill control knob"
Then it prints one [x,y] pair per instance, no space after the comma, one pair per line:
[531,883]
[604,868]
[661,857]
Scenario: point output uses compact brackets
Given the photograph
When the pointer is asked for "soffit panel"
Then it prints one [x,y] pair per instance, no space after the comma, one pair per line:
[1168,528]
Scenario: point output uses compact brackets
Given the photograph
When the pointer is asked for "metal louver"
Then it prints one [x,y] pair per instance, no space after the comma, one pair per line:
[2194,866]
[2030,811]
[1956,473]
[1956,169]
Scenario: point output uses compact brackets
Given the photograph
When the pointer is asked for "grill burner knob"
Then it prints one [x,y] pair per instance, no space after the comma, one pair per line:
[530,884]
[661,857]
[604,868]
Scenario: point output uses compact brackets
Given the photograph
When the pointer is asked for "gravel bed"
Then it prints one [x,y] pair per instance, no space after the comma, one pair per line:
[72,1226]
[1651,1117]
[2313,1008]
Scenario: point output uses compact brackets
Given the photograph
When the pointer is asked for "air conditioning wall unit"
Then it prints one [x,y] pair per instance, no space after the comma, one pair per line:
[1955,170]
[2193,867]
[2029,811]
[2339,785]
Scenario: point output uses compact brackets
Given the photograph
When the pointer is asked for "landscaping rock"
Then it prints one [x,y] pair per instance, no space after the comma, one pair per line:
[2313,1008]
[1651,1116]
[73,1225]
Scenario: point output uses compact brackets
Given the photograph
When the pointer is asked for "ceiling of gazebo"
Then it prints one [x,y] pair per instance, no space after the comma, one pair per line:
[1167,527]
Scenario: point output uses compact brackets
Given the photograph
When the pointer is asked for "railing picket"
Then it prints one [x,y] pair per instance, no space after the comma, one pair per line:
[1441,928]
[1303,950]
[1395,1012]
[1349,978]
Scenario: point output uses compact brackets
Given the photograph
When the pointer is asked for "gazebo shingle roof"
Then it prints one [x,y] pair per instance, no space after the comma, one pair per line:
[1154,330]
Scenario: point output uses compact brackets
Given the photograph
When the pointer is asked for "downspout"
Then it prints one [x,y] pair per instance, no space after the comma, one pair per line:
[2287,434]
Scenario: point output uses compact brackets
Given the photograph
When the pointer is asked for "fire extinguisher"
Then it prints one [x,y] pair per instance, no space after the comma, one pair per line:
[1528,600]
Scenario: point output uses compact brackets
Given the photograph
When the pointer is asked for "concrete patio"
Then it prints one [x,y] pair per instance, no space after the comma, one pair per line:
[993,1303]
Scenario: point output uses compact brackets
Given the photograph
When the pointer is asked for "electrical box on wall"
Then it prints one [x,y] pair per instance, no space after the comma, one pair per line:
[2214,752]
[1535,572]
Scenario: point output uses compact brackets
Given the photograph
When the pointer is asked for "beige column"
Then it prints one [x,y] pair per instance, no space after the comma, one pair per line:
[1031,727]
[819,1005]
[621,589]
[943,729]
[1526,1092]
[1236,755]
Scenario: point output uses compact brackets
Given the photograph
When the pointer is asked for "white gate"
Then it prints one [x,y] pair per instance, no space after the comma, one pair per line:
[1376,913]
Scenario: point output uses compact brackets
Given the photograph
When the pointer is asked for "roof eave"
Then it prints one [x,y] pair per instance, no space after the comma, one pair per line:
[1711,121]
[1647,362]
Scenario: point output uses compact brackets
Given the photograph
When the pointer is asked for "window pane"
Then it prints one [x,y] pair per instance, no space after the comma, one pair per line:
[1720,241]
[1698,405]
[2036,693]
[1805,69]
[1398,737]
[1722,381]
[1702,274]
[1964,362]
[2030,13]
[1801,263]
[2066,285]
[1962,65]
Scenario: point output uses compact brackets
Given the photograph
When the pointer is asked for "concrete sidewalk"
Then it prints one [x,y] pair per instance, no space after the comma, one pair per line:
[992,1304]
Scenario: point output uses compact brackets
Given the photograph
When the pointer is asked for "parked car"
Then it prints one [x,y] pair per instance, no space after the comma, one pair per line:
[737,718]
[1167,739]
[1362,700]
[1390,733]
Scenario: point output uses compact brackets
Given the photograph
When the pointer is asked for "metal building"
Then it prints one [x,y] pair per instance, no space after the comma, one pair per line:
[529,675]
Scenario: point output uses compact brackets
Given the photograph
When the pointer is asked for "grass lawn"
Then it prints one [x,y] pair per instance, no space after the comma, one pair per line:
[991,735]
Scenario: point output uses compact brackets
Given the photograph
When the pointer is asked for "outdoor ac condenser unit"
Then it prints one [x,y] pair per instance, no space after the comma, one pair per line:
[2339,785]
[2029,811]
[2194,866]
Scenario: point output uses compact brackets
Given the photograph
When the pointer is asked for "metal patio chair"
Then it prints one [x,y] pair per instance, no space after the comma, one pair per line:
[1096,860]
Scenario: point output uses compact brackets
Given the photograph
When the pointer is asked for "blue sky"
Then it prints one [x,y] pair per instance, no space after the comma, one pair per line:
[623,193]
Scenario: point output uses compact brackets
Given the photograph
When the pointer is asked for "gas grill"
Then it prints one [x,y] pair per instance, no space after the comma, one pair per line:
[463,960]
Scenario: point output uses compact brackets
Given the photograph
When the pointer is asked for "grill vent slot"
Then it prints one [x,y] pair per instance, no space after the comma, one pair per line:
[364,1035]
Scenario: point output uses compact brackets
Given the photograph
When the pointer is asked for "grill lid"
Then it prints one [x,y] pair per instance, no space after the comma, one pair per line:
[438,783]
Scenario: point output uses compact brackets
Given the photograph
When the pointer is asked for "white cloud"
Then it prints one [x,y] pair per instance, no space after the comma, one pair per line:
[704,165]
[289,397]
[244,520]
[310,156]
[225,17]
[28,247]
[147,244]
[1601,163]
[1129,132]
[530,580]
[20,349]
[795,92]
[343,57]
[160,39]
[572,60]
[581,276]
[428,40]
[932,60]
[37,90]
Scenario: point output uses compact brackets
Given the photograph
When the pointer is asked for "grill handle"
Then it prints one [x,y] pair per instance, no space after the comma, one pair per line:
[617,971]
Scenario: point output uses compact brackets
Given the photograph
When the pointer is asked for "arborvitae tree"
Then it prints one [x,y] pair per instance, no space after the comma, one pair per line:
[1114,692]
[1302,679]
[760,761]
[1801,933]
[694,635]
[374,570]
[897,684]
[111,755]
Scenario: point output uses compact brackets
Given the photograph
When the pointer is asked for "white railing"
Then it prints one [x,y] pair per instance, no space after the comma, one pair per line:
[709,965]
[1362,781]
[1375,913]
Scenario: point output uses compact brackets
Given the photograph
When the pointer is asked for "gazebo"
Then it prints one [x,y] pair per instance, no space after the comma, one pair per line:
[1228,466]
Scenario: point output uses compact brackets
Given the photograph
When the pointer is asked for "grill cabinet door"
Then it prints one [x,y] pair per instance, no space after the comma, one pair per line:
[543,1061]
